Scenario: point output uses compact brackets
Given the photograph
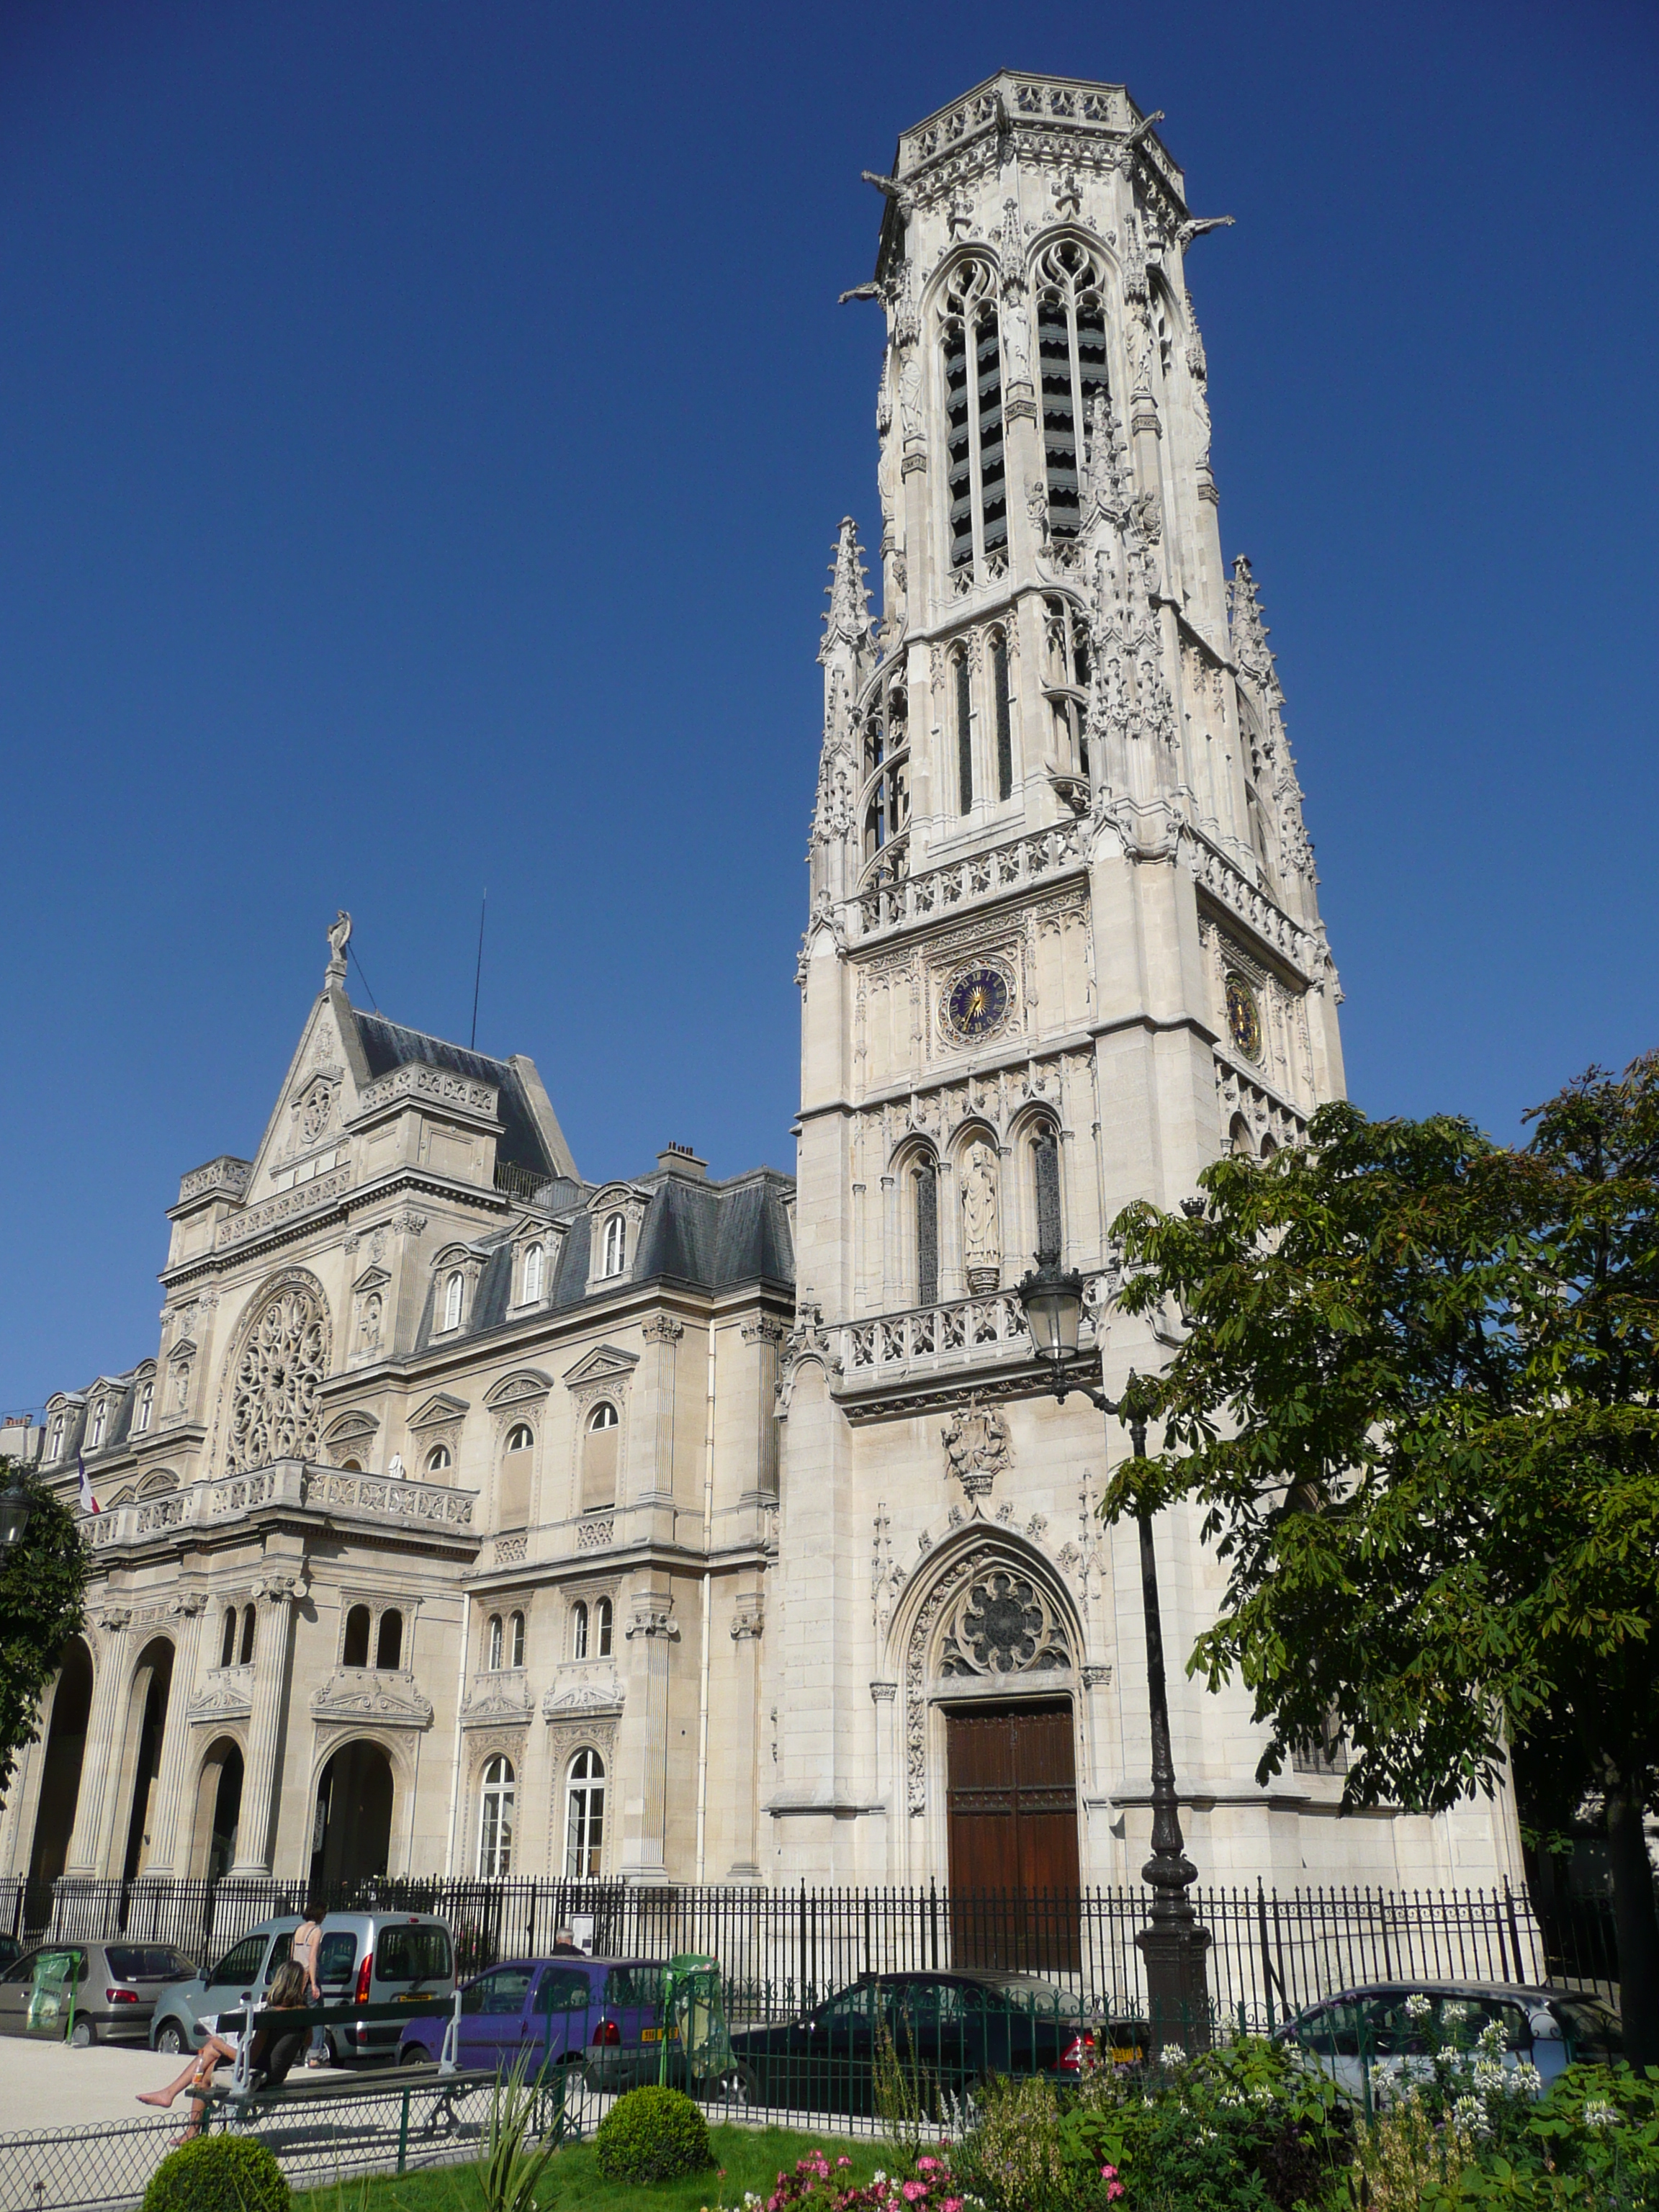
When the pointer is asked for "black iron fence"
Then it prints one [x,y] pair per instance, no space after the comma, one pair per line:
[782,1950]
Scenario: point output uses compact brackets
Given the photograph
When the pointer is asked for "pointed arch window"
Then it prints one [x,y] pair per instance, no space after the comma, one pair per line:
[578,1629]
[924,1183]
[976,475]
[1001,714]
[495,1644]
[495,1820]
[453,1290]
[1045,1163]
[961,687]
[1067,672]
[1070,318]
[886,768]
[535,1269]
[583,1825]
[603,1617]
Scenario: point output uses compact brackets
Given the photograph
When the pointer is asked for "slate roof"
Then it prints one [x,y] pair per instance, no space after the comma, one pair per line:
[388,1044]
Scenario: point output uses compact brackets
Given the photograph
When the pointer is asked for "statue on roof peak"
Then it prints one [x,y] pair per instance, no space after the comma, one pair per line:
[340,936]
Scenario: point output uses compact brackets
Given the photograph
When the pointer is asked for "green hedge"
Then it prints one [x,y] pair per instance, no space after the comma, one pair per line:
[218,2173]
[650,2135]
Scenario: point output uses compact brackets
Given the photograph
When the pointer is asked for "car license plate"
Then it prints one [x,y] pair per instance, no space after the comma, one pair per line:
[659,2035]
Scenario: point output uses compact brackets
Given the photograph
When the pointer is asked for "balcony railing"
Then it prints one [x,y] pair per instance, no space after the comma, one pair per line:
[291,1484]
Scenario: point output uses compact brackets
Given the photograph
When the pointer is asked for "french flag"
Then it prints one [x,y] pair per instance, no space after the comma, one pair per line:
[89,1503]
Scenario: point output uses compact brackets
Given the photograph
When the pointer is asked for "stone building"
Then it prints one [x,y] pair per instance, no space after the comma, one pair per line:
[473,1515]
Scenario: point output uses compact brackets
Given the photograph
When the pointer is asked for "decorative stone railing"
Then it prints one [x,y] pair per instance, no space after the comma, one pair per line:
[596,1535]
[288,1205]
[937,1336]
[291,1484]
[224,1177]
[982,875]
[1234,890]
[443,1085]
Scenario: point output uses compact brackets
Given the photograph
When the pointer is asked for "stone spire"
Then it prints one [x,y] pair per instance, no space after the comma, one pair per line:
[849,619]
[1249,632]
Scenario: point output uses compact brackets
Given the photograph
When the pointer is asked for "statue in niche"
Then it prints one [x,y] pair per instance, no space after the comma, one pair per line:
[368,1336]
[982,1220]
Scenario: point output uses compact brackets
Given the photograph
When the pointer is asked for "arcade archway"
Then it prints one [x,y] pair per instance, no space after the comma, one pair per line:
[152,1684]
[60,1769]
[218,1809]
[351,1827]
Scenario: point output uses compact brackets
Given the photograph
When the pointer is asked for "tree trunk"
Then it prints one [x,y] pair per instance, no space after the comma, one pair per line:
[1636,1918]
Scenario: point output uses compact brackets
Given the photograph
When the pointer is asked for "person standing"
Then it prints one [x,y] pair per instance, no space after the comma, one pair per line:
[306,1951]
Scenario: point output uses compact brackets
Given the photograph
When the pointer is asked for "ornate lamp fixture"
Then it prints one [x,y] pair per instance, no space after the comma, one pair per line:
[1174,1944]
[17,1504]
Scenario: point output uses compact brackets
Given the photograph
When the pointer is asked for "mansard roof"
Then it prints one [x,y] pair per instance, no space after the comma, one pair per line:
[388,1044]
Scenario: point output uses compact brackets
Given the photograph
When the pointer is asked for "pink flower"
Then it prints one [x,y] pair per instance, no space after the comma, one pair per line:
[1113,2189]
[914,2190]
[950,2204]
[843,2162]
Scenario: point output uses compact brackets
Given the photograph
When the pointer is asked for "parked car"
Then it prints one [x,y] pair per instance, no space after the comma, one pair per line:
[603,2015]
[10,1948]
[953,2028]
[1361,2027]
[117,1985]
[382,1958]
[238,1977]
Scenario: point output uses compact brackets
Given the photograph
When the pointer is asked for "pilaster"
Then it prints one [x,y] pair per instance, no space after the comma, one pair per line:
[277,1595]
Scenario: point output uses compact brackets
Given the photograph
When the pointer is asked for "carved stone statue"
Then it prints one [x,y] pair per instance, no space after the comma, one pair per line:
[982,1220]
[340,936]
[976,1449]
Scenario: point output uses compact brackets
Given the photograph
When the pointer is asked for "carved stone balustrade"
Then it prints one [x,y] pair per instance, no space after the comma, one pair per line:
[964,883]
[1233,890]
[944,1336]
[290,1486]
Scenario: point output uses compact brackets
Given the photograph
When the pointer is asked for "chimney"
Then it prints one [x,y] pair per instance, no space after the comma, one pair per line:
[681,1160]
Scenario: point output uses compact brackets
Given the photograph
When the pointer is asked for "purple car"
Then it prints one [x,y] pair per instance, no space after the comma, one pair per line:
[603,2015]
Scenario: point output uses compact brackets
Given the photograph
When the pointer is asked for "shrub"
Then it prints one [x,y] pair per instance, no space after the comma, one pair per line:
[1016,2155]
[218,2173]
[652,2135]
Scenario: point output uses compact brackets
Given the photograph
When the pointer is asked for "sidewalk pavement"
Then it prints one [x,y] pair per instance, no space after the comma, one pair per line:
[49,2085]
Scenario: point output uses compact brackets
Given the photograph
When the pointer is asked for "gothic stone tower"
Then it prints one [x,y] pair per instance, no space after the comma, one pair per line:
[1064,947]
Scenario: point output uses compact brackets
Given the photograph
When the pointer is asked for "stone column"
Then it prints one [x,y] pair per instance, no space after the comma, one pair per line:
[100,1757]
[277,1595]
[187,1611]
[643,1773]
[737,1756]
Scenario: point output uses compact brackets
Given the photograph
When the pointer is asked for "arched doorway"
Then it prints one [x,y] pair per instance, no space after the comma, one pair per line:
[351,1831]
[60,1778]
[218,1809]
[152,1681]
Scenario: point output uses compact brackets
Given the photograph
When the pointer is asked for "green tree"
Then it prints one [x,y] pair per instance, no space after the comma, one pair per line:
[43,1581]
[1417,1398]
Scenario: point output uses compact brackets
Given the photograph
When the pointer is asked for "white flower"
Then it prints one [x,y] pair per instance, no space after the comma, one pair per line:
[1525,2081]
[1456,2011]
[1469,2114]
[1598,2113]
[1490,2037]
[1172,2055]
[1418,2007]
[1489,2075]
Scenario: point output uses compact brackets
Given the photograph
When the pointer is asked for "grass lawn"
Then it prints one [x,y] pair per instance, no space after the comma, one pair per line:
[752,2158]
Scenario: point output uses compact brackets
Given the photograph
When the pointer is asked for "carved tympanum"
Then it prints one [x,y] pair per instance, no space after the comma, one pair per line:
[1003,1624]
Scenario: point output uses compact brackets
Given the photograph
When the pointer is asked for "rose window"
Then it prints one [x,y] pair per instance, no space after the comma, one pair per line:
[1003,1624]
[274,1404]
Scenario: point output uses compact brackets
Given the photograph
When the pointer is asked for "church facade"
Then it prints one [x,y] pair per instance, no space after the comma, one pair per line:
[473,1517]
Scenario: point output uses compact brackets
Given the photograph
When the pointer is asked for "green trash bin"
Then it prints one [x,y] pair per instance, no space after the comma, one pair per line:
[694,2025]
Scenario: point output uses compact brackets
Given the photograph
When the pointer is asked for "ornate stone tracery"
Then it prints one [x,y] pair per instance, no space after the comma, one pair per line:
[274,1408]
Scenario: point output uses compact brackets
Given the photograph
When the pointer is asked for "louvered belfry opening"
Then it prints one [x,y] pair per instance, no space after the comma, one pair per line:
[992,485]
[1071,354]
[926,1189]
[1010,1795]
[976,475]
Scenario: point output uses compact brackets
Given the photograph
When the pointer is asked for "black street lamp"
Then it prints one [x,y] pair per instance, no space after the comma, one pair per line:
[1174,1944]
[17,1504]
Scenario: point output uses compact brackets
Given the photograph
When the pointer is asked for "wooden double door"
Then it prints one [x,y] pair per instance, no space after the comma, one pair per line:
[1010,1794]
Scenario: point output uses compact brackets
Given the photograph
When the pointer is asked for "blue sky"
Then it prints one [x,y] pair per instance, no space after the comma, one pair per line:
[422,431]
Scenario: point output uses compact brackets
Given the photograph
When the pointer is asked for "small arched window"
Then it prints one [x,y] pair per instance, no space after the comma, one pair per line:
[535,1263]
[227,1640]
[247,1635]
[352,1467]
[1239,1139]
[389,1643]
[1045,1164]
[1002,716]
[615,1245]
[515,1639]
[973,407]
[602,1620]
[583,1825]
[578,1629]
[1066,680]
[924,1180]
[452,1289]
[965,718]
[495,1820]
[355,1651]
[599,1457]
[1071,323]
[437,1459]
[494,1642]
[100,1414]
[146,1407]
[520,1437]
[1268,1148]
[56,1443]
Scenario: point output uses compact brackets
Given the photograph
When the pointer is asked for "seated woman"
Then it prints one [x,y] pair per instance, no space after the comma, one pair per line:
[273,2052]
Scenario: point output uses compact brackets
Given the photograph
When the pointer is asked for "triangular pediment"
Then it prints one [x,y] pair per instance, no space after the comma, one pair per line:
[371,1279]
[318,1096]
[438,1409]
[184,1349]
[515,1389]
[350,1428]
[605,1361]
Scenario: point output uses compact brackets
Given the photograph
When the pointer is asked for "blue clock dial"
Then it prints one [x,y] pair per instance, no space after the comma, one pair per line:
[978,1002]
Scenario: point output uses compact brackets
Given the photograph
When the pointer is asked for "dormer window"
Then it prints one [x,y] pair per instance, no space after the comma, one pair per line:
[535,1269]
[145,1409]
[615,1245]
[100,1411]
[454,1288]
[56,1445]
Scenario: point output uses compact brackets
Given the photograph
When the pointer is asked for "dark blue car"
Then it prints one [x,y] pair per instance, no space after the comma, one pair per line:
[603,2015]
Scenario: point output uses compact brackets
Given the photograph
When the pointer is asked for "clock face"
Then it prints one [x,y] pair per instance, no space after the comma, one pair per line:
[1243,1018]
[976,1002]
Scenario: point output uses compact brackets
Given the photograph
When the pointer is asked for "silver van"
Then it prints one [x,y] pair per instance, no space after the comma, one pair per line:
[381,1958]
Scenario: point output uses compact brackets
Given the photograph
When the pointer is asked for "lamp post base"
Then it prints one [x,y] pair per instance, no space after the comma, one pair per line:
[1177,1984]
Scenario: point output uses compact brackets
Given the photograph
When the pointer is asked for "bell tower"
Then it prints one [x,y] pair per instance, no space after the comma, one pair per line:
[1063,948]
